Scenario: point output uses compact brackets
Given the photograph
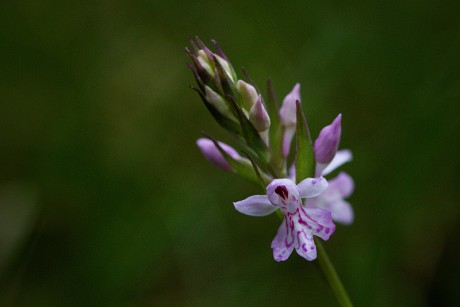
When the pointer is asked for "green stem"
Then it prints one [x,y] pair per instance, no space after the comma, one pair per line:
[329,272]
[331,276]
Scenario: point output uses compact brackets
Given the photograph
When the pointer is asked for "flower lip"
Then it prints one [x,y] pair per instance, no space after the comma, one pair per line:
[300,223]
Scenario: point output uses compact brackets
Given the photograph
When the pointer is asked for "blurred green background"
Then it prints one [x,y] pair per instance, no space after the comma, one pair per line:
[105,199]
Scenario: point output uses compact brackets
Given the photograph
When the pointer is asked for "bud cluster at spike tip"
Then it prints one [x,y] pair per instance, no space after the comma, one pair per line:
[263,133]
[234,103]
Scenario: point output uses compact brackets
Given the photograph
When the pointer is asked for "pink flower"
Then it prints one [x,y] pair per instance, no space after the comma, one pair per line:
[341,187]
[300,223]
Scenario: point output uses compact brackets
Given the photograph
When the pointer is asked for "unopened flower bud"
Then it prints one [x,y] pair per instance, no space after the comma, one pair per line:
[213,155]
[328,141]
[258,116]
[205,62]
[248,94]
[227,68]
[219,103]
[288,112]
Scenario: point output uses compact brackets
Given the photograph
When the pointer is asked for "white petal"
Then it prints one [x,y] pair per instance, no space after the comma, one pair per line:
[256,205]
[283,243]
[312,187]
[341,157]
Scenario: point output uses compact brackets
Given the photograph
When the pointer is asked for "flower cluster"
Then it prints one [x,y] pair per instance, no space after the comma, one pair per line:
[263,133]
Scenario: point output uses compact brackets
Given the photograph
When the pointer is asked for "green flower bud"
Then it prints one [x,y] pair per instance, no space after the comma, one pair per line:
[248,94]
[218,102]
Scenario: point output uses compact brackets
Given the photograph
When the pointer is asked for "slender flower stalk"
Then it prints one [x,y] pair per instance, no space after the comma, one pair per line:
[332,277]
[263,133]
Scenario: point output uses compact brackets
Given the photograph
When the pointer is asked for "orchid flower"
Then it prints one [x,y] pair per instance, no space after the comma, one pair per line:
[300,223]
[340,187]
[332,199]
[327,160]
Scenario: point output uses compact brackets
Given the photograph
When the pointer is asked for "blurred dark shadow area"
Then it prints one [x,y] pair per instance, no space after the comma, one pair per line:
[106,200]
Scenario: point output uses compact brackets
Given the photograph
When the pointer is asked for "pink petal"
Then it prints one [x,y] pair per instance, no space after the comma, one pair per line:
[312,187]
[287,140]
[305,245]
[341,157]
[288,112]
[283,243]
[342,212]
[318,221]
[343,184]
[256,205]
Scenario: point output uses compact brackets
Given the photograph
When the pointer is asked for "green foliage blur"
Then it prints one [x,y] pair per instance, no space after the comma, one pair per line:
[106,200]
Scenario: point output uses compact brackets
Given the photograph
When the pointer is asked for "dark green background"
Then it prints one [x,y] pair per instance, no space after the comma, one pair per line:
[105,199]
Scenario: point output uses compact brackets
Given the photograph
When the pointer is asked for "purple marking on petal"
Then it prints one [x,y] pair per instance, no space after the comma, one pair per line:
[304,244]
[282,191]
[283,243]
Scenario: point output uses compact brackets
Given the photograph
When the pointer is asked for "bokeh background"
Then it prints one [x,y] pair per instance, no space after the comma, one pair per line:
[105,199]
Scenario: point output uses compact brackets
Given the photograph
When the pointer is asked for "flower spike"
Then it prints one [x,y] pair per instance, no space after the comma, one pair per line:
[263,132]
